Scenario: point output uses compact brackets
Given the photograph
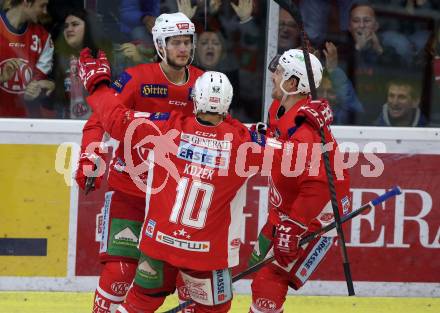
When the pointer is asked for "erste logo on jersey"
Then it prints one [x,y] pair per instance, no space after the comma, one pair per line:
[204,151]
[154,91]
[22,77]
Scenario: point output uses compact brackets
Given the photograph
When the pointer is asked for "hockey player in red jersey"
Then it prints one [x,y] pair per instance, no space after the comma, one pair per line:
[299,201]
[204,160]
[25,57]
[165,87]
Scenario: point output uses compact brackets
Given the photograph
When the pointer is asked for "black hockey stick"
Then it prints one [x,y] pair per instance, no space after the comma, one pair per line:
[90,184]
[290,7]
[370,205]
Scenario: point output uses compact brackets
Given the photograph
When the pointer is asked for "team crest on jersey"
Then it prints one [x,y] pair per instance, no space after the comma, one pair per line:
[80,109]
[17,84]
[149,230]
[265,305]
[120,83]
[274,195]
[158,116]
[154,91]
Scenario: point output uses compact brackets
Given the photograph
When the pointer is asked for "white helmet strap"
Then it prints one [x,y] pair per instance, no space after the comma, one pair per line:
[288,93]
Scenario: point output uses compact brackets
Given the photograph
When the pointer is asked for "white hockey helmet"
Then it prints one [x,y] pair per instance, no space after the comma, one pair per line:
[293,63]
[169,25]
[212,93]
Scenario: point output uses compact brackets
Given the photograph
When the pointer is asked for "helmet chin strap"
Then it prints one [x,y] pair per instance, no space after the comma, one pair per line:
[285,92]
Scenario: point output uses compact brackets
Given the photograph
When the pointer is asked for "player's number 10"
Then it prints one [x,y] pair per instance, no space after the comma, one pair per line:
[187,197]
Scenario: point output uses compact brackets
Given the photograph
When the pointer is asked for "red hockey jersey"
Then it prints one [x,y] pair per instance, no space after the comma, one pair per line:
[194,219]
[299,187]
[31,44]
[143,88]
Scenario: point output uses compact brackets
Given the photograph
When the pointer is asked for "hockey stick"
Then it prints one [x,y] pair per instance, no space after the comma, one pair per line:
[370,205]
[90,184]
[290,7]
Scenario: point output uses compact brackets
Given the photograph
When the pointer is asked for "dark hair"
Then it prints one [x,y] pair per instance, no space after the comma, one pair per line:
[414,89]
[361,3]
[14,3]
[90,33]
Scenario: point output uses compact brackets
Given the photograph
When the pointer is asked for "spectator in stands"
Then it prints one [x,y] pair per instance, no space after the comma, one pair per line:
[288,32]
[137,18]
[211,55]
[26,60]
[77,34]
[315,15]
[244,39]
[371,61]
[402,106]
[338,89]
[335,85]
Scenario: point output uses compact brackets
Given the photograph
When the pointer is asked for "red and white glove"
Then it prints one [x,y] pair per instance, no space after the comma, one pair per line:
[93,71]
[286,241]
[316,112]
[90,166]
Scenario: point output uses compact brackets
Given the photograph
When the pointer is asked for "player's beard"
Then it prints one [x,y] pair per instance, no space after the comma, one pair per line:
[176,66]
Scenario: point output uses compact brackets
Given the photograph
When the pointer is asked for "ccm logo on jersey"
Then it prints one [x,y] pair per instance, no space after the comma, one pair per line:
[211,135]
[195,246]
[154,91]
[17,45]
[178,103]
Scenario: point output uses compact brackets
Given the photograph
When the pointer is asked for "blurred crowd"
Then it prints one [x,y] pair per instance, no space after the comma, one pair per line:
[382,58]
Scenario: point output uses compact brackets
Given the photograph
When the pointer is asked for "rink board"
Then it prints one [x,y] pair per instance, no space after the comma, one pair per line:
[393,249]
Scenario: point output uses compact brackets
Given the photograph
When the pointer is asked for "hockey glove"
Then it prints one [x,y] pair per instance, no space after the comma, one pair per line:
[286,242]
[93,71]
[316,112]
[89,171]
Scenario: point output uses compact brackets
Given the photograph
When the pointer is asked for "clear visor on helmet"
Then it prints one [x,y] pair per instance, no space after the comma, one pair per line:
[274,63]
